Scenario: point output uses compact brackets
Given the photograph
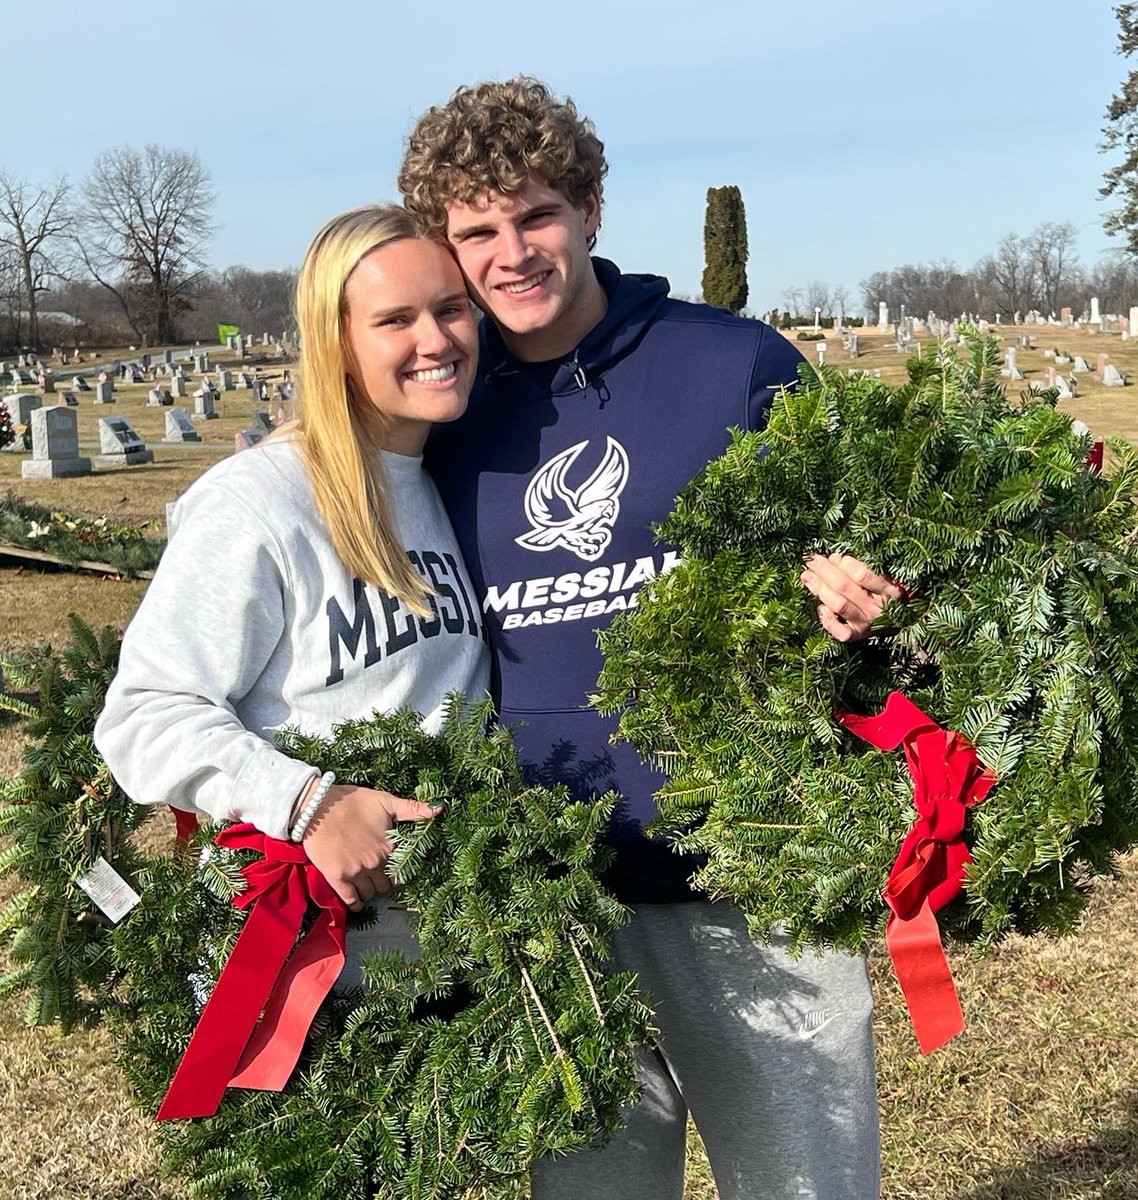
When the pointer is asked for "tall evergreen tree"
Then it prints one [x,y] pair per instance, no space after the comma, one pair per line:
[1121,132]
[725,249]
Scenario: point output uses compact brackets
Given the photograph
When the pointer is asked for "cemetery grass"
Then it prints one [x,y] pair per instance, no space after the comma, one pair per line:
[1037,1099]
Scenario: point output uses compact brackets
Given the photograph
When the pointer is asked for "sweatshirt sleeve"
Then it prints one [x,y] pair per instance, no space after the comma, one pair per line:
[201,638]
[776,365]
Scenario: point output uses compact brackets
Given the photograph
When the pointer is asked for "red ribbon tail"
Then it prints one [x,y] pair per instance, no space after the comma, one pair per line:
[272,1052]
[228,1019]
[185,824]
[925,977]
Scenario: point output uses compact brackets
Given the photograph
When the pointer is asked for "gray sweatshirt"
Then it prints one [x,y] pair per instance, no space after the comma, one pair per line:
[252,623]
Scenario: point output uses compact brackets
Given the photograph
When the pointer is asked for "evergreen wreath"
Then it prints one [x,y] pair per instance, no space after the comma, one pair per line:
[74,538]
[1020,633]
[443,1077]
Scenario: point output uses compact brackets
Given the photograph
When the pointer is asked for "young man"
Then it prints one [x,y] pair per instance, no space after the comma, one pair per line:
[598,400]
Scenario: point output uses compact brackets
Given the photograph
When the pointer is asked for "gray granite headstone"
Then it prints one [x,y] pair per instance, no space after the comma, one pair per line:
[179,427]
[79,384]
[104,392]
[21,406]
[262,421]
[224,380]
[177,385]
[55,445]
[247,438]
[120,444]
[203,405]
[69,399]
[244,380]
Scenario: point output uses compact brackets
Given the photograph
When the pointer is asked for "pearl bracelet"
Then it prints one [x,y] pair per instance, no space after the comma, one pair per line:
[309,811]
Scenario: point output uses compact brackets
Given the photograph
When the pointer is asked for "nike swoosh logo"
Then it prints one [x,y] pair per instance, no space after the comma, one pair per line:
[804,1033]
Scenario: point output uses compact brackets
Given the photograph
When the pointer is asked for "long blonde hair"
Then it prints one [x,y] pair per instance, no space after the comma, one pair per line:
[339,433]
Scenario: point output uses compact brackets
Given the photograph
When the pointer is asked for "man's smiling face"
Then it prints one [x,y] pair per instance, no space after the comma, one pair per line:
[526,260]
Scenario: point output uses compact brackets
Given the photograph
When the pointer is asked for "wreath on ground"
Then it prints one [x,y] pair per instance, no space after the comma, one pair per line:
[1019,640]
[128,549]
[445,1076]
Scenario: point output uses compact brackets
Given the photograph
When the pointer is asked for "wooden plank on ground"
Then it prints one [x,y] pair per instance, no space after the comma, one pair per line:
[23,552]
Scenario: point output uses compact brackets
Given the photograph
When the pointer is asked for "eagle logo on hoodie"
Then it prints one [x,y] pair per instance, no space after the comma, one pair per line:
[576,519]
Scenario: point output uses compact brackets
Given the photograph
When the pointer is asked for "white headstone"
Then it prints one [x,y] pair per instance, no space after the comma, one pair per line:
[1011,371]
[177,385]
[1111,377]
[1095,318]
[203,405]
[224,380]
[882,315]
[55,445]
[1079,367]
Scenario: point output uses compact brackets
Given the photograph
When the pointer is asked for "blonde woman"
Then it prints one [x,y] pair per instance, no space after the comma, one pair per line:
[315,577]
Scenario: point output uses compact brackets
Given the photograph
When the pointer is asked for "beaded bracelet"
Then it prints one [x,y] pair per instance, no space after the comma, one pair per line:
[309,811]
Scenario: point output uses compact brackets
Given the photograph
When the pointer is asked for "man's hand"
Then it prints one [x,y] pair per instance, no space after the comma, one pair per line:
[850,595]
[349,840]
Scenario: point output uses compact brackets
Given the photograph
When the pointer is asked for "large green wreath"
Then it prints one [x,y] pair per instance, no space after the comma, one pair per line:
[1021,633]
[443,1077]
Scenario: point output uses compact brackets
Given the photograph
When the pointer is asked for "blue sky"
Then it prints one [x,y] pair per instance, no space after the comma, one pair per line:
[863,136]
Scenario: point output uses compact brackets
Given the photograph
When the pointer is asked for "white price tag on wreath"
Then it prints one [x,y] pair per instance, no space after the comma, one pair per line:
[109,890]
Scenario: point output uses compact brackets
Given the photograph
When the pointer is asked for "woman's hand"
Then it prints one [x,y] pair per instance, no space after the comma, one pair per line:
[349,840]
[850,595]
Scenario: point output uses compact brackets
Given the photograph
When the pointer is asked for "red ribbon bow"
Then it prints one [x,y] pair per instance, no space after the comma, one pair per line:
[948,778]
[228,1047]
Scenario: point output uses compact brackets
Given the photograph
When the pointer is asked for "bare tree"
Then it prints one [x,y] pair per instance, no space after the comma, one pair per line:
[792,298]
[31,220]
[146,217]
[1014,273]
[1051,248]
[817,296]
[840,300]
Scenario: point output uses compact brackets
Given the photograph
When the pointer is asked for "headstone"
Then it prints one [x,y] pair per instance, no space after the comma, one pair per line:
[177,385]
[882,315]
[1079,367]
[179,427]
[120,445]
[1095,318]
[244,380]
[853,345]
[246,439]
[203,405]
[265,339]
[158,397]
[21,406]
[79,384]
[1062,386]
[47,382]
[55,445]
[104,392]
[1010,370]
[229,341]
[1065,316]
[1101,364]
[1107,325]
[167,356]
[1111,377]
[819,346]
[144,361]
[69,399]
[263,422]
[201,363]
[224,380]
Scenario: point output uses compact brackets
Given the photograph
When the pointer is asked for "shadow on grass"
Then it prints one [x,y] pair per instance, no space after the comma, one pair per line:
[1102,1165]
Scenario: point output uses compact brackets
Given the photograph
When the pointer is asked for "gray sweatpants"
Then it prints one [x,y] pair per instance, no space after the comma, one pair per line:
[772,1055]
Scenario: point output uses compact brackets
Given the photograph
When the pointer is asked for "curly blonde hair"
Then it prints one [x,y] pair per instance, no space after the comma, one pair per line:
[492,137]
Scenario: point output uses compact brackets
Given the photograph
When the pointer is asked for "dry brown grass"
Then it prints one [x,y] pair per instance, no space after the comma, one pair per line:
[1037,1100]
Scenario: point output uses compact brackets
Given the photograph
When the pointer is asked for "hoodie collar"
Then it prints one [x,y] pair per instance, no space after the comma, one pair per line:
[632,303]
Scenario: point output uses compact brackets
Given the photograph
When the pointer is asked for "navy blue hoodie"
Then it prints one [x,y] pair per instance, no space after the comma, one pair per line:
[552,479]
